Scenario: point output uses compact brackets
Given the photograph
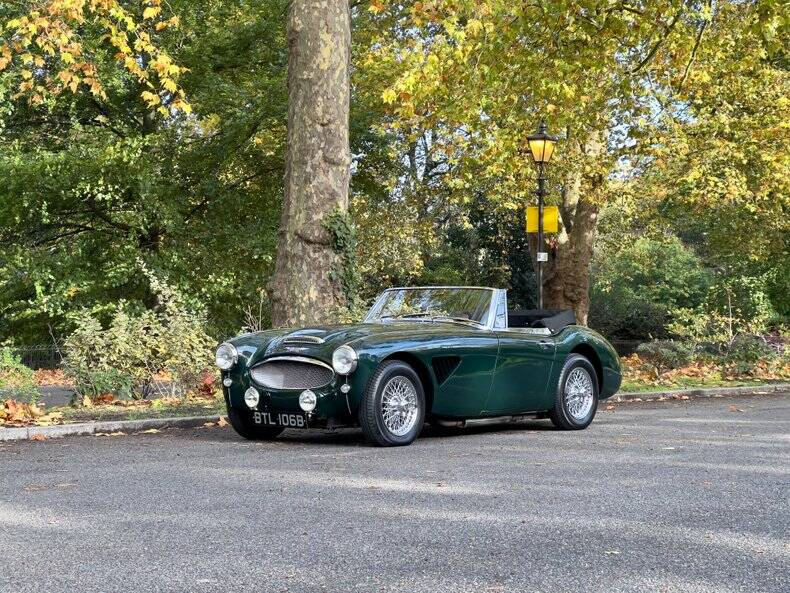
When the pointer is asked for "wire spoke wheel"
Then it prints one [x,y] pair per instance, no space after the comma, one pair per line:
[579,394]
[399,406]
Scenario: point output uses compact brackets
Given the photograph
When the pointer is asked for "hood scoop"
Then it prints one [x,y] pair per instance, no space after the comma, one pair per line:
[302,339]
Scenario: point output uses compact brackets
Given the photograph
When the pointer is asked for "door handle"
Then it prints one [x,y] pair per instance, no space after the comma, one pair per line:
[544,344]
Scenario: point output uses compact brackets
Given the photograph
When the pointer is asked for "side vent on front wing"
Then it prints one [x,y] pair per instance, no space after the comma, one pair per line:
[443,367]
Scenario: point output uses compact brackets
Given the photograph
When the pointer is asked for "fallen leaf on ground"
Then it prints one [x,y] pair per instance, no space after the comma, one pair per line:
[610,407]
[118,433]
[734,408]
[222,423]
[150,431]
[38,437]
[209,424]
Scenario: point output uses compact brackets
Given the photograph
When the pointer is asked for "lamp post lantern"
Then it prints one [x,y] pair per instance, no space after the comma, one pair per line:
[541,147]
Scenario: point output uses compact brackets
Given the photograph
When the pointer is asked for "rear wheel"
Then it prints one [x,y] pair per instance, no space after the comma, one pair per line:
[576,400]
[245,427]
[392,411]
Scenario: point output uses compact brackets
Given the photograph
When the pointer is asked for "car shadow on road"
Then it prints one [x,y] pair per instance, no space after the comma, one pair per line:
[354,436]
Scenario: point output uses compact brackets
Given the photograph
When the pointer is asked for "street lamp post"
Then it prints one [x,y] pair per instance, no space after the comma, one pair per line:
[541,147]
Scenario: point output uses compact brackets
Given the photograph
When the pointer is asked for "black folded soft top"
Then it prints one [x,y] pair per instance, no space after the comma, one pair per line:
[553,319]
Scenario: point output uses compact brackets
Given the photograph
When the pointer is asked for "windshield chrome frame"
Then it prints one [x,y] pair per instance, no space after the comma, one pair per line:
[496,295]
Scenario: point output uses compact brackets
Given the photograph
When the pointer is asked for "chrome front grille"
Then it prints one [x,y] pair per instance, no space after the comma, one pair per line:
[292,373]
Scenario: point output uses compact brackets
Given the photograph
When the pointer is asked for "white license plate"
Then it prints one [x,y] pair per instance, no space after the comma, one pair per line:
[274,419]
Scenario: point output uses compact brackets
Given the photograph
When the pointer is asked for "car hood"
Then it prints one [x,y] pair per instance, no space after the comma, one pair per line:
[321,341]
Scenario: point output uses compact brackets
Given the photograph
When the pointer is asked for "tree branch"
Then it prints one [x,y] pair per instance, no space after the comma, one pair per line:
[667,30]
[697,42]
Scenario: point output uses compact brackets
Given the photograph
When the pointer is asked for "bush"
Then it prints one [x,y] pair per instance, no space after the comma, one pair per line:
[633,290]
[664,355]
[16,378]
[126,357]
[708,331]
[746,350]
[95,383]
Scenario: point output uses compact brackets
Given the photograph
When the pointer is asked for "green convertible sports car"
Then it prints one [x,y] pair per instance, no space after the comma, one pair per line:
[449,355]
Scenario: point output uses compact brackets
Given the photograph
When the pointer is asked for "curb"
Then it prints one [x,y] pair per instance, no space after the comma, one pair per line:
[88,428]
[692,392]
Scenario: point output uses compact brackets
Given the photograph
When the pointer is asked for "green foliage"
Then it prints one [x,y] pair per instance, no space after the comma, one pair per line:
[778,288]
[703,328]
[733,305]
[746,350]
[343,237]
[125,357]
[664,355]
[692,101]
[90,184]
[16,379]
[634,290]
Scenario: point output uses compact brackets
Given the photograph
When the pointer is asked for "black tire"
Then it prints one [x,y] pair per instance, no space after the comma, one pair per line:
[371,413]
[561,415]
[247,429]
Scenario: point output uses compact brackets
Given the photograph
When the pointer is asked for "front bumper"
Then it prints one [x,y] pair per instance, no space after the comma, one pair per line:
[332,406]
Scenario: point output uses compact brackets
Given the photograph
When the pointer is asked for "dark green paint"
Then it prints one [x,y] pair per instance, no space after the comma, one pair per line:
[501,371]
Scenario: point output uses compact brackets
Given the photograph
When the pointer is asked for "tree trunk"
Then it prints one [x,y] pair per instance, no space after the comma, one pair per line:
[304,289]
[566,276]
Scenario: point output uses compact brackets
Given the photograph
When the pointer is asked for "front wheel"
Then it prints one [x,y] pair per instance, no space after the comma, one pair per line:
[576,400]
[392,411]
[246,428]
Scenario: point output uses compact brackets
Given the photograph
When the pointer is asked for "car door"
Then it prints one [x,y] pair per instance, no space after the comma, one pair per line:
[523,368]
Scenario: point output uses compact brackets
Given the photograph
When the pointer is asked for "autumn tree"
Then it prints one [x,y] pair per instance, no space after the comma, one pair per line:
[92,182]
[480,75]
[307,282]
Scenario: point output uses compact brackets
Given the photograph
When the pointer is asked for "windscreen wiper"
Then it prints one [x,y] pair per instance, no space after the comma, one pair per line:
[406,315]
[457,320]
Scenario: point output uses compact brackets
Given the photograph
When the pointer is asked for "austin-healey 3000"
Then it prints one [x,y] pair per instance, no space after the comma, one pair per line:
[450,356]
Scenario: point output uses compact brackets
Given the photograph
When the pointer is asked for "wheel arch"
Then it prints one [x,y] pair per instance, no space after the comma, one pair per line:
[590,354]
[423,372]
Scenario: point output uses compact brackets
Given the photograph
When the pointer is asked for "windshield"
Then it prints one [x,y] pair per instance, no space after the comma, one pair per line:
[469,305]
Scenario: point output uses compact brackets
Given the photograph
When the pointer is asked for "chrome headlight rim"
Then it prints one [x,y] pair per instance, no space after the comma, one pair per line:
[344,360]
[252,397]
[308,400]
[226,356]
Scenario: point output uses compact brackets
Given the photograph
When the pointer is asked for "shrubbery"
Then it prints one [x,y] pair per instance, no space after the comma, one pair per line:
[747,350]
[15,378]
[635,290]
[128,355]
[664,355]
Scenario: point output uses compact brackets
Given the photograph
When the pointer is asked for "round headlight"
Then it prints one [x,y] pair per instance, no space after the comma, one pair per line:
[227,355]
[307,400]
[344,360]
[251,397]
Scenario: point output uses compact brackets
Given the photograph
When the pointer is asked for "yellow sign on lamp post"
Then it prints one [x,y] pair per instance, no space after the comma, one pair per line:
[551,216]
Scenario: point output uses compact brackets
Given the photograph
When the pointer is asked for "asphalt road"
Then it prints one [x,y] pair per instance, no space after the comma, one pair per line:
[683,496]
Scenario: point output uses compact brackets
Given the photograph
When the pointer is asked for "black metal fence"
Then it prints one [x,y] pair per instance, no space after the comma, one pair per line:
[38,357]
